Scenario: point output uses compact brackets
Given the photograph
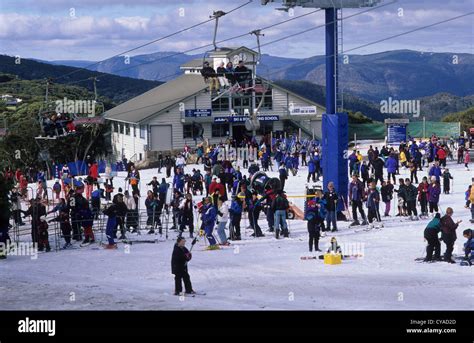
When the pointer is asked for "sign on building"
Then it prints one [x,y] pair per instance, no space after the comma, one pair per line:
[303,110]
[243,119]
[396,131]
[198,113]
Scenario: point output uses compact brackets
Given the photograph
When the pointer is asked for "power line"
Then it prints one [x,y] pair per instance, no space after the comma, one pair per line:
[152,42]
[371,43]
[206,46]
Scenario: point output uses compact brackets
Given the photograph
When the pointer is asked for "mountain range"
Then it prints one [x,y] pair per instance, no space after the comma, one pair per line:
[402,74]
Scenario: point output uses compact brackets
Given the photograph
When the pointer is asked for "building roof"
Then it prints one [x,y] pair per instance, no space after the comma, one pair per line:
[195,64]
[157,99]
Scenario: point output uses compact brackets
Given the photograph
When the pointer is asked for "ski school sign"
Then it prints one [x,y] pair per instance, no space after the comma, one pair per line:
[198,113]
[243,119]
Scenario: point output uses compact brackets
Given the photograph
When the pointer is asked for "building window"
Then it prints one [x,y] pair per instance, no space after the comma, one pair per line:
[140,156]
[142,131]
[265,128]
[122,127]
[134,129]
[127,129]
[221,104]
[188,131]
[116,127]
[267,100]
[220,130]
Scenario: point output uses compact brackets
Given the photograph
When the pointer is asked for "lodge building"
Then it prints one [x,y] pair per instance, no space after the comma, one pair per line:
[173,114]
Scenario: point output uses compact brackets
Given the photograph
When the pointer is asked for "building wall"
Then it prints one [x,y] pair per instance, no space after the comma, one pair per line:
[175,117]
[129,145]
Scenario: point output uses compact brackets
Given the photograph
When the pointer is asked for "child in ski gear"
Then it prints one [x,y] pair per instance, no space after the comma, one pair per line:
[254,209]
[208,216]
[446,183]
[152,212]
[43,241]
[373,200]
[423,196]
[469,246]
[448,228]
[235,210]
[179,267]
[330,197]
[315,224]
[433,195]
[111,212]
[334,247]
[387,196]
[222,219]
[431,235]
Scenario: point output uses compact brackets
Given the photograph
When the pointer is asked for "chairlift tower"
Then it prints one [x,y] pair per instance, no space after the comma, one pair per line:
[335,121]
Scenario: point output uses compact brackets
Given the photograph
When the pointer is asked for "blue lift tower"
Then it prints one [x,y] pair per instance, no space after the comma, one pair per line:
[335,121]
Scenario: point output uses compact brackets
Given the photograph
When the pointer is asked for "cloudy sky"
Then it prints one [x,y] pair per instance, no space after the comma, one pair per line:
[97,29]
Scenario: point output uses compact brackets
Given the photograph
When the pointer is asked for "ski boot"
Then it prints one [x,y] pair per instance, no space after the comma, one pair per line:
[213,247]
[355,223]
[364,222]
[277,234]
[110,246]
[286,233]
[151,232]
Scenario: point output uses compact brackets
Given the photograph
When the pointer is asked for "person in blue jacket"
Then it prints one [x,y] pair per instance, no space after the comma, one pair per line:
[178,180]
[469,246]
[435,171]
[235,211]
[111,212]
[392,165]
[311,169]
[208,217]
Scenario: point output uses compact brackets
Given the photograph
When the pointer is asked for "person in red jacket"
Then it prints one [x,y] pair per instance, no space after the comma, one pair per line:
[92,178]
[441,154]
[18,175]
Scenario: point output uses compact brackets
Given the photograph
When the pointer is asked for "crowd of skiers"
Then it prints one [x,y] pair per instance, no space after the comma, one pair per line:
[227,194]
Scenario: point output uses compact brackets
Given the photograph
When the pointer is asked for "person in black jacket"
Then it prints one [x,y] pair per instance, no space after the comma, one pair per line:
[448,233]
[179,267]
[331,199]
[378,165]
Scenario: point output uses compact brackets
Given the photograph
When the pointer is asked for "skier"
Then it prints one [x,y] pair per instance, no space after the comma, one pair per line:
[64,223]
[280,207]
[110,229]
[235,211]
[469,246]
[356,196]
[315,224]
[431,236]
[446,183]
[179,267]
[311,169]
[423,196]
[152,212]
[448,228]
[43,241]
[433,195]
[254,209]
[208,216]
[222,219]
[387,196]
[411,193]
[373,200]
[330,197]
[187,216]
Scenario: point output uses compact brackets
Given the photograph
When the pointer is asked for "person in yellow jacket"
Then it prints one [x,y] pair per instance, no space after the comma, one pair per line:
[359,156]
[471,199]
[403,158]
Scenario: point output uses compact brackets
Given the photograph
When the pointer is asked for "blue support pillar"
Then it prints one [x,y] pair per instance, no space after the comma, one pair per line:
[334,125]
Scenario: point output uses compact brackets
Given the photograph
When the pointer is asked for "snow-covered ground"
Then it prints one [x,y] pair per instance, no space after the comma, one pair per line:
[262,273]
